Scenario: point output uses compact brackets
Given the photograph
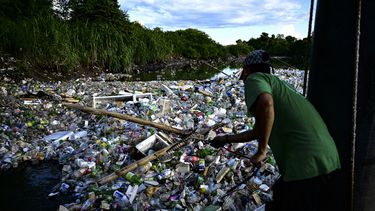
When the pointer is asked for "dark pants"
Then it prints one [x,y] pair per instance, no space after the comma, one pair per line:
[304,195]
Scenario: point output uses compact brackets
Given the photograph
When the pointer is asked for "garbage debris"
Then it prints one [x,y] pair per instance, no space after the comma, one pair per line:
[125,96]
[35,125]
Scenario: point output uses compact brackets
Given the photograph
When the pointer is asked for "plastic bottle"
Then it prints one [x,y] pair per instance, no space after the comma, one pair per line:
[81,163]
[232,163]
[133,178]
[120,198]
[201,165]
[199,181]
[191,159]
[165,174]
[222,173]
[64,188]
[87,204]
[143,169]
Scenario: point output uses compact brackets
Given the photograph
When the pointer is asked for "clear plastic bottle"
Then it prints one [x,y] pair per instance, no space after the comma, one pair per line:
[87,204]
[120,198]
[165,174]
[143,169]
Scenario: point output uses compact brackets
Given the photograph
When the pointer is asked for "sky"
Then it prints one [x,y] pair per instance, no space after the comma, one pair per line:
[225,21]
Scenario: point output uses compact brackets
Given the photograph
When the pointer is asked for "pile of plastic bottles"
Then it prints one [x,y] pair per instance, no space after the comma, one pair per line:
[35,126]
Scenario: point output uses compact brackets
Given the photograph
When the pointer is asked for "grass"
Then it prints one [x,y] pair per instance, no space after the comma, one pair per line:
[49,43]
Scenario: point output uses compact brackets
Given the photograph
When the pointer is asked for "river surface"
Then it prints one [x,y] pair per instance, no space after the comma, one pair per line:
[202,72]
[27,187]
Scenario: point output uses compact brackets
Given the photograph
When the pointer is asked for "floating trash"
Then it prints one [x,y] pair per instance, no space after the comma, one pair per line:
[91,146]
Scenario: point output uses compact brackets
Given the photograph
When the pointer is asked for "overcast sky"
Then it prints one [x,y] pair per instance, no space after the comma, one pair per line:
[225,21]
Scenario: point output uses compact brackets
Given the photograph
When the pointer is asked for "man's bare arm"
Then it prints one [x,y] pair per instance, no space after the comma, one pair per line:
[264,118]
[242,137]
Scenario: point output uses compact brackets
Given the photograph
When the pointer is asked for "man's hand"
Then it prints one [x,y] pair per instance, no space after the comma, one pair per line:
[219,141]
[258,158]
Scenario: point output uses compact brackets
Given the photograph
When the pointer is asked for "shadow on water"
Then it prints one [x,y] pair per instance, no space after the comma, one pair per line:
[205,71]
[27,187]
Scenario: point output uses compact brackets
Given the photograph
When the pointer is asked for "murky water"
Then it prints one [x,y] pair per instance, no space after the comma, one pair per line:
[27,187]
[200,73]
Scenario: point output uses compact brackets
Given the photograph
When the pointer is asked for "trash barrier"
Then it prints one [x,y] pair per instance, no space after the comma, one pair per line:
[142,146]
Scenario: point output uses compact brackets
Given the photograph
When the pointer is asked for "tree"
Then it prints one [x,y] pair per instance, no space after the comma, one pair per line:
[260,43]
[241,48]
[196,44]
[264,40]
[290,39]
[97,11]
[278,45]
[20,9]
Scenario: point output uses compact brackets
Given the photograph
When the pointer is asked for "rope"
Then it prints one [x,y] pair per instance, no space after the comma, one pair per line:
[307,53]
[216,68]
[354,101]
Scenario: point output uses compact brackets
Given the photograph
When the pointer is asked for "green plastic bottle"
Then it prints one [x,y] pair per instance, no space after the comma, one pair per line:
[133,178]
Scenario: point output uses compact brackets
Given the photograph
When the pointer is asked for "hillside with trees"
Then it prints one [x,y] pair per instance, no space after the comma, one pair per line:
[66,35]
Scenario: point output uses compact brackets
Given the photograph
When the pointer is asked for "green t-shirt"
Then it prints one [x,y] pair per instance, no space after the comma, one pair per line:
[300,141]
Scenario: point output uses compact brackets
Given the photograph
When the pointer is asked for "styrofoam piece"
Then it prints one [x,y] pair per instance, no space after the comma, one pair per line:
[61,135]
[125,96]
[149,142]
[77,135]
[167,89]
[145,145]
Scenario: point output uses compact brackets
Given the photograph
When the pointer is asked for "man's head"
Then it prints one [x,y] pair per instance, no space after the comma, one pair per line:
[256,61]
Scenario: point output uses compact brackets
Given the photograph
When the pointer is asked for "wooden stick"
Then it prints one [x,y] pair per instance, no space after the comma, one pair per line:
[153,156]
[128,118]
[134,165]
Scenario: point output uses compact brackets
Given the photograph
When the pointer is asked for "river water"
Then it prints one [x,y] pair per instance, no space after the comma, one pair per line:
[27,187]
[202,72]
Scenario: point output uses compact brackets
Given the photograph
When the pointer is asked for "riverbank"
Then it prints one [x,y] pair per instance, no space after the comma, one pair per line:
[10,68]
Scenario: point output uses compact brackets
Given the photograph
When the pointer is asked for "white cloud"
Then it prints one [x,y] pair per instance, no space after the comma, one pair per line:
[289,29]
[149,1]
[212,13]
[216,14]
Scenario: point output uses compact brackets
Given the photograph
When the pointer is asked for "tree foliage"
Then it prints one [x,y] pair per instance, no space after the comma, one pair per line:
[241,48]
[15,9]
[94,11]
[296,50]
[86,33]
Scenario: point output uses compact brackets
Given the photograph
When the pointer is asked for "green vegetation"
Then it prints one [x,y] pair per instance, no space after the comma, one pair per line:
[297,51]
[87,33]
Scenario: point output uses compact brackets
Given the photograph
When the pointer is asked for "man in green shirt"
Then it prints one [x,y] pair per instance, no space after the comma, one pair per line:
[301,144]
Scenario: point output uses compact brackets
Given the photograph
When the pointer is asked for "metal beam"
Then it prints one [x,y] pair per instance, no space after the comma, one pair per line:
[331,84]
